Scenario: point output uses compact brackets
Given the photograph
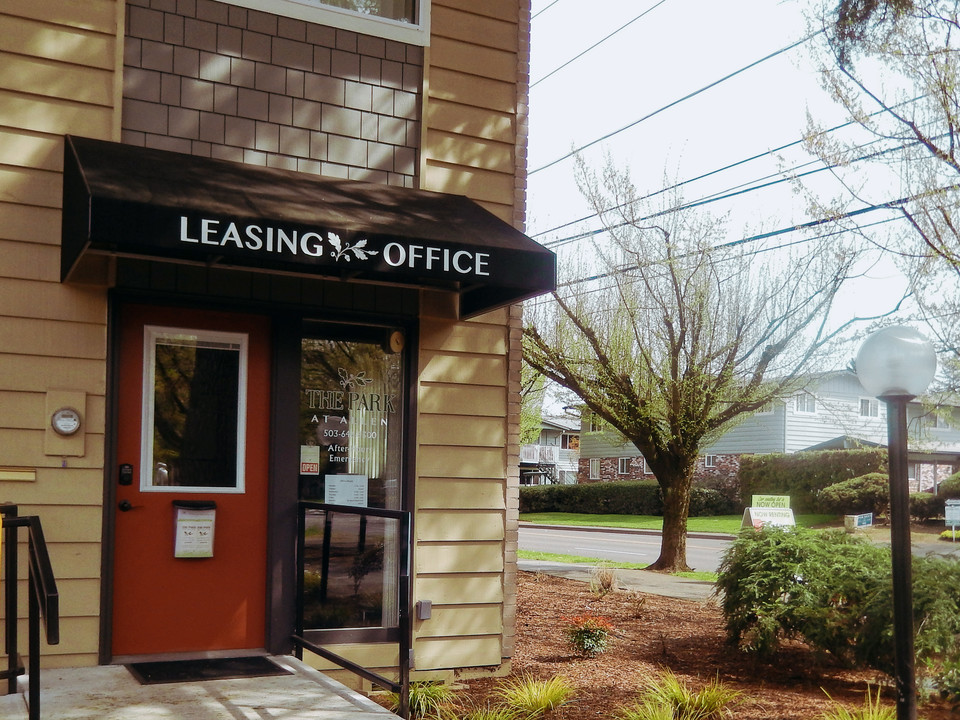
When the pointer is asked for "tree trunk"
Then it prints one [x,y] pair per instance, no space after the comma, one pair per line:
[676,508]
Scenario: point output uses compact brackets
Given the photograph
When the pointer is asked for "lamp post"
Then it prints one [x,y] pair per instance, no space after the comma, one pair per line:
[896,364]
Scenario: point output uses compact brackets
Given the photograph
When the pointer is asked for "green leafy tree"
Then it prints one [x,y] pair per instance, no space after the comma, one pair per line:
[679,334]
[532,389]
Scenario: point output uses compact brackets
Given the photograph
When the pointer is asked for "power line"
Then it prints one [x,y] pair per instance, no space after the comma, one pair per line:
[734,191]
[545,9]
[688,96]
[624,270]
[596,44]
[716,197]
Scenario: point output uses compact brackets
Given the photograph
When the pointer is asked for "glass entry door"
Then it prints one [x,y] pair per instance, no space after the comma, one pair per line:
[351,456]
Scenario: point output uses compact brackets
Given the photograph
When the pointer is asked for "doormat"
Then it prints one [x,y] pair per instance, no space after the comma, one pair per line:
[176,671]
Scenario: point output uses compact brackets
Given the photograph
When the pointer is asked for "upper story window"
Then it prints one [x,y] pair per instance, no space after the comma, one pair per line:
[869,407]
[806,403]
[570,442]
[596,424]
[935,420]
[405,21]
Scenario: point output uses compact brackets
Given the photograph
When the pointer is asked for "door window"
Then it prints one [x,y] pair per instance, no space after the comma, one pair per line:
[351,437]
[194,410]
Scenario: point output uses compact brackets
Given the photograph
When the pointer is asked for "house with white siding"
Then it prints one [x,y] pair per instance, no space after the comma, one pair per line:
[834,411]
[555,457]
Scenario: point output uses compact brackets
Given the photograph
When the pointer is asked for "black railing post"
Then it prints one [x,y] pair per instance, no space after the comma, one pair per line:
[9,547]
[43,601]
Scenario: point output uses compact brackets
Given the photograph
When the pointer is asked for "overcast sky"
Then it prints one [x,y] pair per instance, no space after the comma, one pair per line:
[660,52]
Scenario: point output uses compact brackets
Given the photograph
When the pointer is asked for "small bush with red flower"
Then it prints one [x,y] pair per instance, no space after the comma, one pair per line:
[588,635]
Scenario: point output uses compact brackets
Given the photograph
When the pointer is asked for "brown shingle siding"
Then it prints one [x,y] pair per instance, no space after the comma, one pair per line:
[274,91]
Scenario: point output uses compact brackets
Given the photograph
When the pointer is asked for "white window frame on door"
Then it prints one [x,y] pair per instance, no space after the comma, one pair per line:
[153,333]
[321,13]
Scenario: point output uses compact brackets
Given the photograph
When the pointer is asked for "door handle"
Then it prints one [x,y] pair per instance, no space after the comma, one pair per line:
[126,506]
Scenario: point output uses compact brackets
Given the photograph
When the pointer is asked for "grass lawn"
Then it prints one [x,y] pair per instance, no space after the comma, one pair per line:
[724,524]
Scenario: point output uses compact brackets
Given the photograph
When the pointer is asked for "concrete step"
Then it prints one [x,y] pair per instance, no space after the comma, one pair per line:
[13,707]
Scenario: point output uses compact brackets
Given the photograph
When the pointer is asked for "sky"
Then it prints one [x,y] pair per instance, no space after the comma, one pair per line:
[633,88]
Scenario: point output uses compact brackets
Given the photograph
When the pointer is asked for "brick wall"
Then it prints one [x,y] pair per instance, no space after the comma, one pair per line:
[215,80]
[721,477]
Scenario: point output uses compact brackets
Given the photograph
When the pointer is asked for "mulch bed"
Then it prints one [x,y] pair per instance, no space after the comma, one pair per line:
[653,632]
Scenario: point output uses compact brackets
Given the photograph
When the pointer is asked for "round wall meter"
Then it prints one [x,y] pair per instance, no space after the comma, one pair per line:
[65,421]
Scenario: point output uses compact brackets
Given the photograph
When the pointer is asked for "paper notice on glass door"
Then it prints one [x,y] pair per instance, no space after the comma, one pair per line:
[345,490]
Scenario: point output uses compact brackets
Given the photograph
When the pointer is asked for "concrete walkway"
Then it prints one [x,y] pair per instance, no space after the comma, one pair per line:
[642,580]
[110,692]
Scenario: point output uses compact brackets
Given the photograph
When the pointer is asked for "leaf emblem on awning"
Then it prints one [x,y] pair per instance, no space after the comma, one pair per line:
[344,250]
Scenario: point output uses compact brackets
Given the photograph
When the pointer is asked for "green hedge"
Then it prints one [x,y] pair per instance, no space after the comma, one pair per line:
[617,498]
[868,493]
[803,475]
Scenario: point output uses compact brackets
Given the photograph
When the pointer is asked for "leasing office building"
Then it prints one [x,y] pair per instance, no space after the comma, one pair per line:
[239,272]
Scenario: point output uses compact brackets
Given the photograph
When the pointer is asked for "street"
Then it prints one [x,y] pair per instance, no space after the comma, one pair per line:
[702,553]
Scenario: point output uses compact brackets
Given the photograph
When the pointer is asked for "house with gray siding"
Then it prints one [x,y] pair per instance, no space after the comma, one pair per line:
[833,411]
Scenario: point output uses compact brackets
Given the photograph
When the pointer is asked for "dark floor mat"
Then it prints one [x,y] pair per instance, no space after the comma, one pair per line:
[173,671]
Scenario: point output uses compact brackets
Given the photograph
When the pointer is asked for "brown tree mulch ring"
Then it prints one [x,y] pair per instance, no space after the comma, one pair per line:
[653,632]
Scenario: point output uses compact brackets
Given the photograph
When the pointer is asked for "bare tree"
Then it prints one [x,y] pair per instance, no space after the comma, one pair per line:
[894,66]
[671,334]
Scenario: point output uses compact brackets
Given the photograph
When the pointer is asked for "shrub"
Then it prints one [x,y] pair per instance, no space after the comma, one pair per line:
[707,502]
[531,697]
[950,488]
[603,581]
[621,498]
[951,535]
[868,493]
[925,506]
[947,681]
[802,475]
[427,699]
[832,590]
[668,698]
[588,634]
[871,710]
[624,498]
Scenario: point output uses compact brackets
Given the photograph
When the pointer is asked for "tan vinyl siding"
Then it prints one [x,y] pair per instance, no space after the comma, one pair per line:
[57,75]
[466,525]
[470,112]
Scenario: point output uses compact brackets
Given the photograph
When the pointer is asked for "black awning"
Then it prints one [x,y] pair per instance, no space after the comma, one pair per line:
[137,202]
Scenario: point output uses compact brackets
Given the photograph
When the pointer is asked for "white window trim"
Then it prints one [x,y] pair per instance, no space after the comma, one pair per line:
[646,468]
[415,34]
[873,405]
[807,398]
[710,461]
[594,468]
[620,466]
[152,333]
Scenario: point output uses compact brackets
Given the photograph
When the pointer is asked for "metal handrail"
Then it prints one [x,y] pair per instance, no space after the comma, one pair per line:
[404,627]
[43,602]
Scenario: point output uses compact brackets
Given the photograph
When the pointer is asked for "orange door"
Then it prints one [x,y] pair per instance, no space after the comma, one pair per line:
[194,408]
